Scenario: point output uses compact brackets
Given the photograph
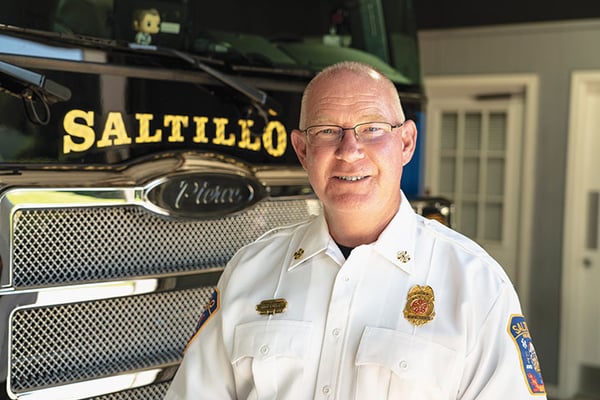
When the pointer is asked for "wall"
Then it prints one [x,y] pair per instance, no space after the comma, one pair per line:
[435,14]
[552,51]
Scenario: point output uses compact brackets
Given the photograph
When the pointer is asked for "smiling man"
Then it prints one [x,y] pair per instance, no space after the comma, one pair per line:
[367,300]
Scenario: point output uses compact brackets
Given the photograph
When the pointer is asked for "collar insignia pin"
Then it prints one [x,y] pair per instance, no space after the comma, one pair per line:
[419,305]
[403,256]
[271,306]
[298,254]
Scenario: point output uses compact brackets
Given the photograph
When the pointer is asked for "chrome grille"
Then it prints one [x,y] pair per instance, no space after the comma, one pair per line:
[73,342]
[84,244]
[100,293]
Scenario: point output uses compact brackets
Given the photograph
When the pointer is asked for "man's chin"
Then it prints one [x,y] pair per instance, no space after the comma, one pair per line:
[352,202]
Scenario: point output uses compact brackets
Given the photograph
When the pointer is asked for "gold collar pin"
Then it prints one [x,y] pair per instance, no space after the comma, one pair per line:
[403,256]
[298,254]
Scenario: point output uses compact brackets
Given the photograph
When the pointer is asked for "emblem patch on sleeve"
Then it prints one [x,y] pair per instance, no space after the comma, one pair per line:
[211,307]
[519,332]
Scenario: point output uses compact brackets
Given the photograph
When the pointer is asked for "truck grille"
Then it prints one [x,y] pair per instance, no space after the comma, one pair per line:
[57,249]
[83,244]
[73,342]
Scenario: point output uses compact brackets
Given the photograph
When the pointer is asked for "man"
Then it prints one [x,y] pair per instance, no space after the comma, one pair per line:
[368,300]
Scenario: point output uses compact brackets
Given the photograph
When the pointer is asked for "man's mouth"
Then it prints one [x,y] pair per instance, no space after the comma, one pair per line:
[351,178]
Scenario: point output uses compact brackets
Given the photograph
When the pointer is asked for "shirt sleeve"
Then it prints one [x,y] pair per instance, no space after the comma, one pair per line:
[206,371]
[502,363]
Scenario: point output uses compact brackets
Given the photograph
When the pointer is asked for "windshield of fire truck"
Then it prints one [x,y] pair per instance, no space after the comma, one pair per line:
[258,32]
[114,100]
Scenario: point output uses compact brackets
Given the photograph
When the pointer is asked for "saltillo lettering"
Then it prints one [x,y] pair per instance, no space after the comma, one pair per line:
[82,134]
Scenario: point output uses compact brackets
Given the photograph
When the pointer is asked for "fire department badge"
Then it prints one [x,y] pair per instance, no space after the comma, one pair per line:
[519,332]
[419,305]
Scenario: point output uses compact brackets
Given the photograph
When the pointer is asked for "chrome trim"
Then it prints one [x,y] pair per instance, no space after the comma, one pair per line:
[101,386]
[119,288]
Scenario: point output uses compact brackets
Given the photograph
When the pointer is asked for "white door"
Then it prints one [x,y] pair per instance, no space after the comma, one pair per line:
[476,140]
[580,343]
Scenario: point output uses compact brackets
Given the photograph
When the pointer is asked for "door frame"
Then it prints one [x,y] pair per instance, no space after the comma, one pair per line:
[527,85]
[579,129]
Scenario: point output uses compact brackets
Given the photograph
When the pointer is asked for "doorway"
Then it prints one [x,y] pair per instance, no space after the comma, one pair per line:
[480,153]
[580,320]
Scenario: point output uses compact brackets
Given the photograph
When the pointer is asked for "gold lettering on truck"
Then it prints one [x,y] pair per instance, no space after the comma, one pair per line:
[84,133]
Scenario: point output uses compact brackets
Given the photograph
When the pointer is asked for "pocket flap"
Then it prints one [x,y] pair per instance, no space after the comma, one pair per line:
[402,353]
[275,338]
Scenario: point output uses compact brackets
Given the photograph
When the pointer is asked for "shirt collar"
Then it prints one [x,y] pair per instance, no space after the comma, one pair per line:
[396,243]
[311,240]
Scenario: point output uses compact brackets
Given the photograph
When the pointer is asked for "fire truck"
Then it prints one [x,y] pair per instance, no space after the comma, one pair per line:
[141,144]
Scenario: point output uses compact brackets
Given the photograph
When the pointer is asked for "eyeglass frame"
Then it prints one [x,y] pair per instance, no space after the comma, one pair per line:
[343,129]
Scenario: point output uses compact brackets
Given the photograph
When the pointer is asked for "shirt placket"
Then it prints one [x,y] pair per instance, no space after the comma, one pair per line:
[336,328]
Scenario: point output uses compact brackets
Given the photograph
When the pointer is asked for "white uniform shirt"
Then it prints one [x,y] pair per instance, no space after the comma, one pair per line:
[345,335]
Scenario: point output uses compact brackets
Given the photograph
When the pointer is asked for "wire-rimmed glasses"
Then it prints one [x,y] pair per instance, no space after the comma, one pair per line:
[366,132]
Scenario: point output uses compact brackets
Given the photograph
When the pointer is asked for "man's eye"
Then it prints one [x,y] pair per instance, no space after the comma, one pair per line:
[327,132]
[371,131]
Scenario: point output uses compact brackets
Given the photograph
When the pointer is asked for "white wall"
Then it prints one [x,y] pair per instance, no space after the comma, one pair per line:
[552,51]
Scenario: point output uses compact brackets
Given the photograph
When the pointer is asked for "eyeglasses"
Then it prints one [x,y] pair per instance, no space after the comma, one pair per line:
[330,135]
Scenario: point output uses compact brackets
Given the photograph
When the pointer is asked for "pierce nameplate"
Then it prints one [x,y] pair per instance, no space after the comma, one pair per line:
[205,195]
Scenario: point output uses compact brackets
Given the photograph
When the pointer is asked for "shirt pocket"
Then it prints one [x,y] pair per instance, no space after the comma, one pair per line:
[392,364]
[268,359]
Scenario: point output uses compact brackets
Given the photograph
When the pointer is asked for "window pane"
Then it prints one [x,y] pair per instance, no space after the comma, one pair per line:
[493,222]
[497,133]
[449,130]
[468,219]
[495,177]
[447,174]
[471,176]
[473,131]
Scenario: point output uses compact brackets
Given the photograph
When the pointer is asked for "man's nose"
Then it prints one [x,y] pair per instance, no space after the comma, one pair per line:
[349,149]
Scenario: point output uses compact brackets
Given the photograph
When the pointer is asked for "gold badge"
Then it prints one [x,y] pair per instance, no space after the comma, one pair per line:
[272,306]
[419,305]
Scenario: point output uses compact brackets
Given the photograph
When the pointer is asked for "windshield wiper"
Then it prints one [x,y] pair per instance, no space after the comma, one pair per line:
[258,97]
[33,89]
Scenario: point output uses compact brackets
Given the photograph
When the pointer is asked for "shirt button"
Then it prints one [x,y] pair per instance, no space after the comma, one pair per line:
[336,332]
[264,349]
[326,390]
[403,364]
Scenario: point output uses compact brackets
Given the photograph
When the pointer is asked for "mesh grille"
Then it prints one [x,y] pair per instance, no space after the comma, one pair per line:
[83,244]
[73,342]
[150,392]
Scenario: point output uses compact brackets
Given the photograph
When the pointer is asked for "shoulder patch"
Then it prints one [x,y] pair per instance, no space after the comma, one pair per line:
[530,366]
[210,309]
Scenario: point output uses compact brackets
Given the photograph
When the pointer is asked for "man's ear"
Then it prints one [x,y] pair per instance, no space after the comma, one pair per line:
[409,140]
[299,143]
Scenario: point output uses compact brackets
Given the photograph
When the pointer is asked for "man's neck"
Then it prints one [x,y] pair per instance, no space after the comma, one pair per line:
[352,230]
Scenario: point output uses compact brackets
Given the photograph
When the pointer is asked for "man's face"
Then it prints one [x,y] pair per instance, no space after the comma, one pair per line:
[350,176]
